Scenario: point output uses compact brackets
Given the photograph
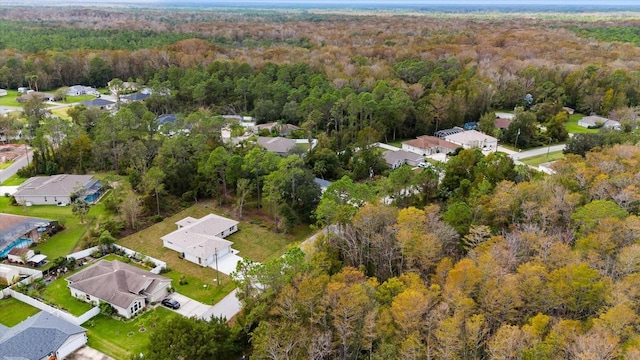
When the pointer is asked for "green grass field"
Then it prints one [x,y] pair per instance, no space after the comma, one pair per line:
[119,339]
[541,159]
[10,99]
[573,128]
[14,311]
[75,99]
[58,293]
[62,112]
[14,180]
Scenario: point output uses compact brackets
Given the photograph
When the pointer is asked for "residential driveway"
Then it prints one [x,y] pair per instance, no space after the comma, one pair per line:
[228,307]
[227,264]
[87,353]
[189,307]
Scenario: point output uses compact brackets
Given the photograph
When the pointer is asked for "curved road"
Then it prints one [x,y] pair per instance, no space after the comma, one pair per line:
[17,165]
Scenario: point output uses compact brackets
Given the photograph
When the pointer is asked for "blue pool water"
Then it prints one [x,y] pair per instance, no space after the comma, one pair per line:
[20,243]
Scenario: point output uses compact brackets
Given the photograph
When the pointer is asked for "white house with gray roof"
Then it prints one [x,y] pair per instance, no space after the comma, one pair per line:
[42,336]
[57,189]
[279,145]
[472,139]
[595,121]
[201,241]
[127,288]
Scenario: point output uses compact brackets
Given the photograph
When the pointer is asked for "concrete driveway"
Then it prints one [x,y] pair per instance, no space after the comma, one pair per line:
[87,353]
[228,307]
[189,307]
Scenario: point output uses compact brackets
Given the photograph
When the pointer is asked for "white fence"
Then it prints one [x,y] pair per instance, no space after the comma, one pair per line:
[53,311]
[87,252]
[33,275]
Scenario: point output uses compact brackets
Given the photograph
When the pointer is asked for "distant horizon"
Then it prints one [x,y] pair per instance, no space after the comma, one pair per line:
[463,5]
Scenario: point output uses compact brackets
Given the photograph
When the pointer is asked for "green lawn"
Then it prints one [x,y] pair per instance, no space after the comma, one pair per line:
[58,293]
[14,180]
[10,99]
[573,128]
[254,241]
[62,112]
[75,99]
[14,311]
[541,159]
[397,143]
[119,339]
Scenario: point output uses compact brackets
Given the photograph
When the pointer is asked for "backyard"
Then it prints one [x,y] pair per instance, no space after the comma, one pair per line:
[119,339]
[58,293]
[573,127]
[15,311]
[254,241]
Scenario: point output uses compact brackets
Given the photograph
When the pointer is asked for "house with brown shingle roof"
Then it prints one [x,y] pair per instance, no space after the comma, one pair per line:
[428,145]
[127,288]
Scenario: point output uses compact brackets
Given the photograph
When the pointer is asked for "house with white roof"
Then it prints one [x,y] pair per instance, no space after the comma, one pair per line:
[77,90]
[201,241]
[127,288]
[595,121]
[473,139]
[41,336]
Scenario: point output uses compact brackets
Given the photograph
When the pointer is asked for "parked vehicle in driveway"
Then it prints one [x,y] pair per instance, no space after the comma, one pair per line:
[171,304]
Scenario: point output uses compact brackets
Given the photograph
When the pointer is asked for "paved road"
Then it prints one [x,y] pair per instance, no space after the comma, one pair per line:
[536,152]
[17,165]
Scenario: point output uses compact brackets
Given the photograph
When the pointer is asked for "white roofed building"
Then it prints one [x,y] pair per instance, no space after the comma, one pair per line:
[473,139]
[201,241]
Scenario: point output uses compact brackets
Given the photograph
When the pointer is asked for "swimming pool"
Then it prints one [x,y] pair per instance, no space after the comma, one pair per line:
[20,243]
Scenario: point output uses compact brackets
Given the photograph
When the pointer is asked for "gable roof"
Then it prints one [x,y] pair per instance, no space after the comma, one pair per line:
[115,282]
[392,157]
[470,136]
[277,144]
[502,123]
[595,120]
[428,142]
[56,185]
[16,251]
[36,337]
[199,237]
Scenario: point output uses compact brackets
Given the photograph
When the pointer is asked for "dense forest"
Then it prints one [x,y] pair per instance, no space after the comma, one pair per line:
[477,258]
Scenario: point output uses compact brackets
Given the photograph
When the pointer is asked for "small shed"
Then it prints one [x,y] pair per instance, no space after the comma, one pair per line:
[20,255]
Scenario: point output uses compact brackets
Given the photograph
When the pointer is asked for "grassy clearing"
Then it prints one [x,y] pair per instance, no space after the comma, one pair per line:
[75,99]
[541,159]
[10,99]
[254,241]
[62,112]
[14,180]
[5,164]
[58,293]
[14,311]
[397,143]
[573,127]
[119,339]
